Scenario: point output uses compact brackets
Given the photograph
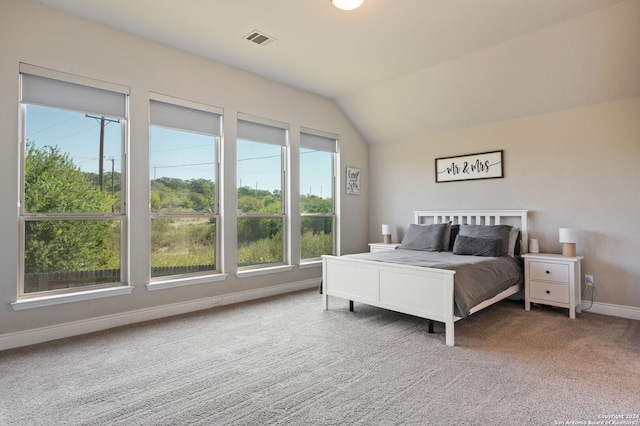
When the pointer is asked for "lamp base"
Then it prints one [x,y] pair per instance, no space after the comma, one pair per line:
[569,249]
[387,239]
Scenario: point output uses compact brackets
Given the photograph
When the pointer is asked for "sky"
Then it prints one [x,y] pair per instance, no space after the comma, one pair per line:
[76,134]
[173,153]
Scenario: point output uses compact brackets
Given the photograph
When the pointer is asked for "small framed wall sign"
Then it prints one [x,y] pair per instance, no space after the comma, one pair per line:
[486,165]
[353,181]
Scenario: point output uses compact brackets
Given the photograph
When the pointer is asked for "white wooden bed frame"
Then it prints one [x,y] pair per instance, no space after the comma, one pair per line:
[414,290]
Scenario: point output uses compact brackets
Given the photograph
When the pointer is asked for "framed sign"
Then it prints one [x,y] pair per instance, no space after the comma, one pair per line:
[353,181]
[486,165]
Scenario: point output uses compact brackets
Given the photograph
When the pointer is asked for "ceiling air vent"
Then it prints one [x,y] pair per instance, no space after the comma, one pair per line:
[259,38]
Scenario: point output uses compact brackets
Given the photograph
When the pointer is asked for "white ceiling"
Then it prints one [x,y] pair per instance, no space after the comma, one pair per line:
[386,63]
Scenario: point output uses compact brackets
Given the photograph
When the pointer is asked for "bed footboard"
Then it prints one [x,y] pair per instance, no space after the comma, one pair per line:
[419,291]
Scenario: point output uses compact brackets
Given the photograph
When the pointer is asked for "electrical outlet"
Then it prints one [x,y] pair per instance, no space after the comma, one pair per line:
[588,280]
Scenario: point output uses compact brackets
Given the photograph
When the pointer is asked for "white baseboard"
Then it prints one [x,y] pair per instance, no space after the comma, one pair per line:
[60,331]
[611,310]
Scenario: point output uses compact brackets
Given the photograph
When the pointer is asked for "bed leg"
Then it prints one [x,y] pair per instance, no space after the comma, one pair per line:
[350,305]
[430,326]
[449,334]
[325,301]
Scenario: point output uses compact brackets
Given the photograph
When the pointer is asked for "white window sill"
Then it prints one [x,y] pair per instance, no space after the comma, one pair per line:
[181,282]
[263,271]
[311,264]
[59,299]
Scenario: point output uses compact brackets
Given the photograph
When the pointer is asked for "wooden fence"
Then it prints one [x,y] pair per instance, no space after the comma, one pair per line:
[68,279]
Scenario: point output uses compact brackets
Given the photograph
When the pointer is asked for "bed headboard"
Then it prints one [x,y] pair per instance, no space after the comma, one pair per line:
[517,218]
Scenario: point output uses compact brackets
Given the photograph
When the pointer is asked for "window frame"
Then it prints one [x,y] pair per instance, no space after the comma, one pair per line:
[334,139]
[217,135]
[284,205]
[84,86]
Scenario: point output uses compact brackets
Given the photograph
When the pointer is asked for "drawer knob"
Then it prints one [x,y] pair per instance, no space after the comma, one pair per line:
[548,292]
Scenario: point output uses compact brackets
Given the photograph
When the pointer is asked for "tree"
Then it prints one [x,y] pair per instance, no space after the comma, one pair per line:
[54,184]
[314,204]
[202,194]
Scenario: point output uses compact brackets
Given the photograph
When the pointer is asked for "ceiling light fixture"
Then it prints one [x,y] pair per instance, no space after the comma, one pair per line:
[347,4]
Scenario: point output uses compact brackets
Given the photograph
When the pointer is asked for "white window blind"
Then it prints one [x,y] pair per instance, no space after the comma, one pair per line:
[317,142]
[257,132]
[66,94]
[184,118]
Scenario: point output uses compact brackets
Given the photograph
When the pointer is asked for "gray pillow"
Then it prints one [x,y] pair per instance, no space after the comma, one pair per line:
[424,237]
[446,239]
[498,232]
[455,229]
[514,242]
[489,247]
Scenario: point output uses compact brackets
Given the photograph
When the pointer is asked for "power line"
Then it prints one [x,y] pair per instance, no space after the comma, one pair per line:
[259,158]
[54,125]
[72,134]
[182,148]
[183,165]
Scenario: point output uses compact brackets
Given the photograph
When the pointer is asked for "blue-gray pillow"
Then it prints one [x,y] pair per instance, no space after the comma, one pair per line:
[498,232]
[471,246]
[424,237]
[514,242]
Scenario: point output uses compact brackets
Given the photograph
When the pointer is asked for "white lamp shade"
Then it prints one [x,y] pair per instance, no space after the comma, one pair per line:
[386,229]
[347,4]
[568,235]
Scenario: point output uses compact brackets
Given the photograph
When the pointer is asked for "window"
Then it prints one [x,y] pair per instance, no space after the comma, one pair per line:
[317,177]
[184,141]
[73,182]
[261,194]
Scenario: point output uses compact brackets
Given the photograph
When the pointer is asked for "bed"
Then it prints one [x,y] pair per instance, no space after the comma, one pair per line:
[428,288]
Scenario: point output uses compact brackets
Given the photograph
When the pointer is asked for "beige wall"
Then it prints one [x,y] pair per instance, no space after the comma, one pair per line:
[577,167]
[574,168]
[40,36]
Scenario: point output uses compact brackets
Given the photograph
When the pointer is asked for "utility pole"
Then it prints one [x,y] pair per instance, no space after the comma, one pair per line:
[113,171]
[103,123]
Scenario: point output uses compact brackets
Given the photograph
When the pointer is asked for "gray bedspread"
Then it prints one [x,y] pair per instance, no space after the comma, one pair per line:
[477,278]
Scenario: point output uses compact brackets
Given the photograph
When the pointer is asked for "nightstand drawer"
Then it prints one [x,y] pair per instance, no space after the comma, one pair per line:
[552,272]
[550,292]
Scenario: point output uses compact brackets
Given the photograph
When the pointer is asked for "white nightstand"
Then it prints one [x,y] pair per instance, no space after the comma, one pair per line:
[382,246]
[552,279]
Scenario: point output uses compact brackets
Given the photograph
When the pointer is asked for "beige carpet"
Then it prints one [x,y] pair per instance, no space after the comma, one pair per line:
[284,360]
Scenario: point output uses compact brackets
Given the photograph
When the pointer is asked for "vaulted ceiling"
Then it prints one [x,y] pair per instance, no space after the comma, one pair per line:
[405,69]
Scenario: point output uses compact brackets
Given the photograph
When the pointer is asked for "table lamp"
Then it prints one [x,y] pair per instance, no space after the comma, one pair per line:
[568,238]
[386,233]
